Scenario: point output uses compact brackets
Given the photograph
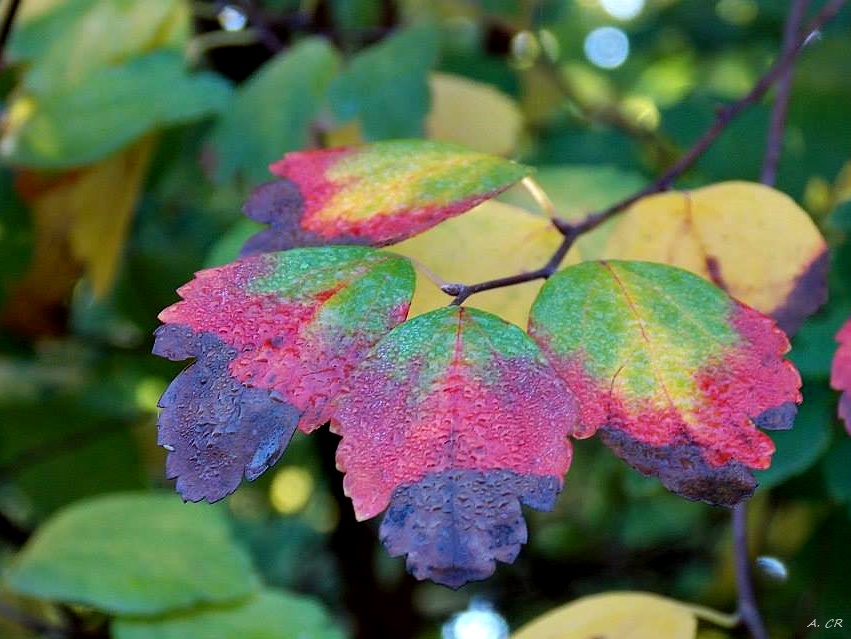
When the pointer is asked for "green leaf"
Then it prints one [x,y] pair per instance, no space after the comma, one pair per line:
[386,85]
[798,449]
[16,234]
[226,248]
[97,449]
[840,218]
[108,109]
[268,615]
[134,554]
[273,110]
[74,38]
[837,470]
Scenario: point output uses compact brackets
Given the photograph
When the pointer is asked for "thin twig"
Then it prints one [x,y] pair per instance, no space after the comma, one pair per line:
[774,145]
[6,27]
[725,115]
[748,609]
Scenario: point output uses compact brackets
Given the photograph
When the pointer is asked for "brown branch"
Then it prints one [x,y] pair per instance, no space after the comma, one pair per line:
[6,27]
[774,144]
[573,230]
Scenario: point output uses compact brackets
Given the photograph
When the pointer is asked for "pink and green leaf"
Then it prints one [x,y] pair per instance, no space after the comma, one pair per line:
[452,421]
[674,375]
[274,336]
[375,194]
[840,374]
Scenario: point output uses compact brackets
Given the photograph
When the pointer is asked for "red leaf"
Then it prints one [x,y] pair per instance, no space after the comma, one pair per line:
[840,375]
[674,374]
[374,194]
[274,336]
[452,420]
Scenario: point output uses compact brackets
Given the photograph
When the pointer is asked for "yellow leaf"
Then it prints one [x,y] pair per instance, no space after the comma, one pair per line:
[80,220]
[615,615]
[752,240]
[492,240]
[473,114]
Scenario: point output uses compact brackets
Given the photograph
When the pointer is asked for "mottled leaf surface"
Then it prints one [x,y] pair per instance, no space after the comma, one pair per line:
[274,336]
[452,421]
[751,240]
[373,194]
[840,374]
[154,554]
[674,375]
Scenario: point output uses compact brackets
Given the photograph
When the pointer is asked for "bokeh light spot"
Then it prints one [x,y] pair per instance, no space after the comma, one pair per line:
[232,18]
[290,489]
[607,47]
[623,9]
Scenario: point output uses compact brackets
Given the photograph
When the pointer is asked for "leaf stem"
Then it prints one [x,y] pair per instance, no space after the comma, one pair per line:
[720,619]
[540,196]
[723,117]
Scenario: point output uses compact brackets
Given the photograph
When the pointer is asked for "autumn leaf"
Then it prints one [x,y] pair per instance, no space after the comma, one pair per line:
[636,615]
[492,240]
[452,421]
[81,219]
[372,194]
[674,375]
[751,240]
[473,114]
[274,336]
[840,375]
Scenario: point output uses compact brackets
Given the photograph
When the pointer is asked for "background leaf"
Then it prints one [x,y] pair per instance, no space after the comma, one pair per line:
[615,614]
[751,240]
[840,374]
[267,615]
[73,39]
[155,554]
[107,109]
[272,112]
[491,240]
[472,114]
[386,85]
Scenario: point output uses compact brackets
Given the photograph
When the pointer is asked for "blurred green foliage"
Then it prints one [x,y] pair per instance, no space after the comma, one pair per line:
[83,79]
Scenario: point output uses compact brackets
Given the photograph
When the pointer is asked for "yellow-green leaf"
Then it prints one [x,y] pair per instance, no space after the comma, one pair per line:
[619,615]
[473,114]
[753,241]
